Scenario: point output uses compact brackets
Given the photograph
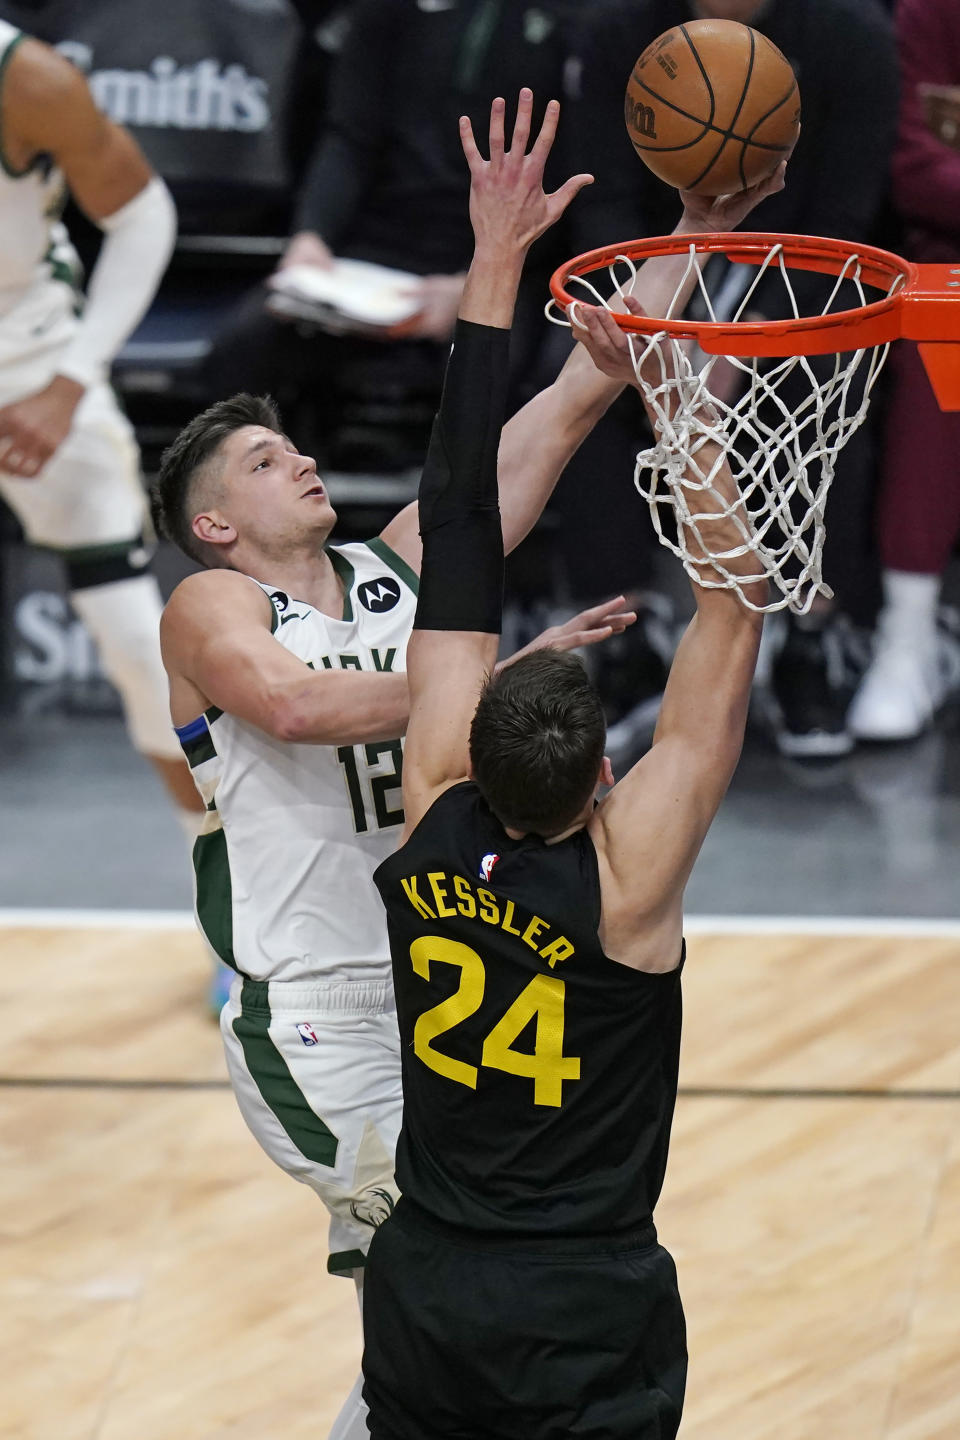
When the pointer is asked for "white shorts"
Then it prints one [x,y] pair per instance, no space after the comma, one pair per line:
[89,494]
[315,1068]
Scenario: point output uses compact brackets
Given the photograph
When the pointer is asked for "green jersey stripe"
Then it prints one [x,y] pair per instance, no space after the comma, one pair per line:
[344,1262]
[399,566]
[273,1079]
[215,893]
[197,751]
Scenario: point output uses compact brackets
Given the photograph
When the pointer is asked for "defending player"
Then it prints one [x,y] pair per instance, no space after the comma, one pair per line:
[286,662]
[518,1290]
[69,467]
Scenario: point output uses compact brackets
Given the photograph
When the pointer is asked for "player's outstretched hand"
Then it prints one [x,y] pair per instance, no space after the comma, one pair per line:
[703,213]
[588,627]
[508,205]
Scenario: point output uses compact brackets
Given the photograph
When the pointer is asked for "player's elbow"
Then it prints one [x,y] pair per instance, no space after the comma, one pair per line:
[286,718]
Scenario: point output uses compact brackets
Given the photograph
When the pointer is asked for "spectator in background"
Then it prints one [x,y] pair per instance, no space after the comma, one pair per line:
[844,56]
[919,512]
[386,184]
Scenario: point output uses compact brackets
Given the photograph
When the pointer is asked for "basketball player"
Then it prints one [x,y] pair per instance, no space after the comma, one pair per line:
[518,1290]
[286,661]
[68,460]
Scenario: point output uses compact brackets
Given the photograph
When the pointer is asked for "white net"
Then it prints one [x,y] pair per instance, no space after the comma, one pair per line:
[781,444]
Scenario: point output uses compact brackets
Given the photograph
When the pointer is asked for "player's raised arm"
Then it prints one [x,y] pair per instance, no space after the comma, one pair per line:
[218,649]
[454,644]
[650,828]
[540,440]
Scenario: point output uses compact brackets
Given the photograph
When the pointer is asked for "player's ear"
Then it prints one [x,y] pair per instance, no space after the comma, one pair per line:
[213,528]
[606,772]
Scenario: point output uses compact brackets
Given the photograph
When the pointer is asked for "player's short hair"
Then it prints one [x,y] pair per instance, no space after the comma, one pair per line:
[183,462]
[537,740]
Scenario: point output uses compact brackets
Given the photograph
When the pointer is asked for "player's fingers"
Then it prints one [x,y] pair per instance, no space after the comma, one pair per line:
[618,622]
[607,339]
[521,128]
[561,198]
[473,156]
[607,322]
[623,622]
[576,313]
[589,637]
[632,304]
[778,179]
[548,132]
[591,332]
[497,110]
[598,613]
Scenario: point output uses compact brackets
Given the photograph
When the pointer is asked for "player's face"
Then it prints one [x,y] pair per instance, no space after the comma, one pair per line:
[743,10]
[272,493]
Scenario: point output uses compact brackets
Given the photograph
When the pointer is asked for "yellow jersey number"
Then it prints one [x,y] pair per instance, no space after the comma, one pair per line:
[542,999]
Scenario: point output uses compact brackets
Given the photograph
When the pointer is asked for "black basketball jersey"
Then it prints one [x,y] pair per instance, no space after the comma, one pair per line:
[539,1076]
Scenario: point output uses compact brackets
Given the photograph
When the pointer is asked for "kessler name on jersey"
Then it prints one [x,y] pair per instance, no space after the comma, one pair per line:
[439,896]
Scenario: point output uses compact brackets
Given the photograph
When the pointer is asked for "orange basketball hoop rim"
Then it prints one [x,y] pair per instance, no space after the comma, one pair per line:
[921,302]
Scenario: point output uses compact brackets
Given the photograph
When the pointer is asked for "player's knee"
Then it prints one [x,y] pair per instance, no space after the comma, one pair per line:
[123,616]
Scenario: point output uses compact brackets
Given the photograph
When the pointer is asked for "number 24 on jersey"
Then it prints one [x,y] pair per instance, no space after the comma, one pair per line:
[542,1000]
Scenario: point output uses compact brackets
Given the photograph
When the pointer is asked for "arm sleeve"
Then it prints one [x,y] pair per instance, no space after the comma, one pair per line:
[461,579]
[345,160]
[926,173]
[138,242]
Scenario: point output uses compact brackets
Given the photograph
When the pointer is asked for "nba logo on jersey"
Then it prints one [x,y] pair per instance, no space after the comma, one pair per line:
[486,866]
[307,1034]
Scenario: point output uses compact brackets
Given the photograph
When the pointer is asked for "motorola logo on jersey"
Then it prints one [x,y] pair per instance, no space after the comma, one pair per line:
[379,595]
[486,866]
[279,600]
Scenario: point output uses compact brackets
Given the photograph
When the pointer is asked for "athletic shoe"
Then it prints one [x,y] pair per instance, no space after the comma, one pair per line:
[903,687]
[809,704]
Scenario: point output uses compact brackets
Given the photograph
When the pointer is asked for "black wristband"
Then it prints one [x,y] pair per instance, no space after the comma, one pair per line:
[461,585]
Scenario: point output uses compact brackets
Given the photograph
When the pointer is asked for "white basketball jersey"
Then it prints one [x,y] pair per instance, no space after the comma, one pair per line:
[33,244]
[294,832]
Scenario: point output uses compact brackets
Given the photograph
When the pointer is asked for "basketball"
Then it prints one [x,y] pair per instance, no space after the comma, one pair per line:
[712,106]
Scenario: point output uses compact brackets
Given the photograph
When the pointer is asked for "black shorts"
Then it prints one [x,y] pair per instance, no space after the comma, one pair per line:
[470,1341]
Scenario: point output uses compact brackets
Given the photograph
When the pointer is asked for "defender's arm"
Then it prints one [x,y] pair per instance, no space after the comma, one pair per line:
[649,830]
[454,644]
[541,439]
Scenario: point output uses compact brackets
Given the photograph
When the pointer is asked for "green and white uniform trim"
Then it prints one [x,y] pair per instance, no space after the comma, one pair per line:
[284,870]
[294,832]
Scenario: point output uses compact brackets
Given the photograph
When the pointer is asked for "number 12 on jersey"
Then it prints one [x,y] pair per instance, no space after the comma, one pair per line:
[379,785]
[542,1000]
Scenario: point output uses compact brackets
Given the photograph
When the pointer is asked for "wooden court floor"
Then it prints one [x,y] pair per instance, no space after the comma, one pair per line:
[159,1280]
